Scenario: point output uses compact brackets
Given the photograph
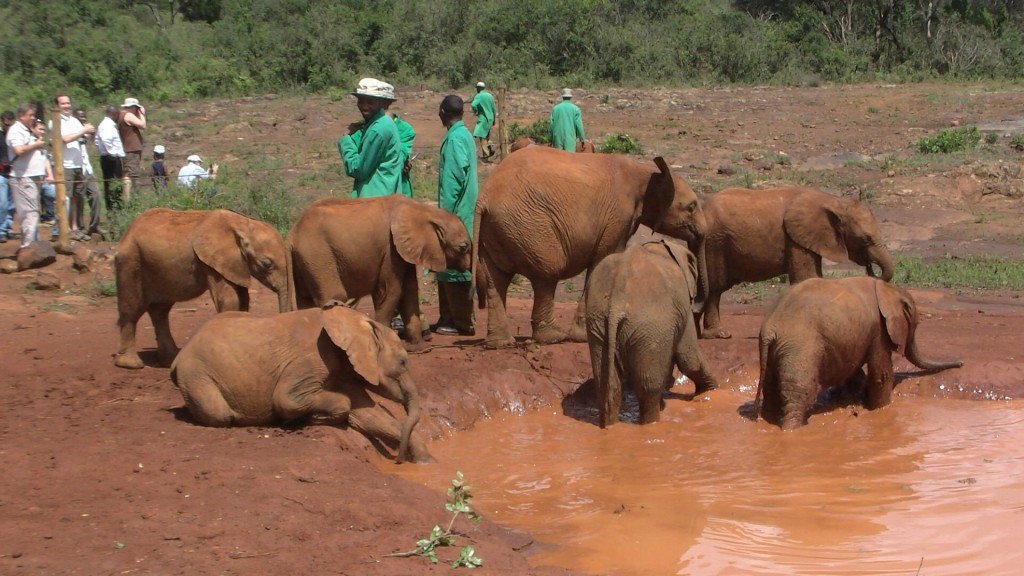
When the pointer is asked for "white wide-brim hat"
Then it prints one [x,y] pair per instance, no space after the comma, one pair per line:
[194,158]
[129,102]
[158,149]
[566,93]
[373,88]
[481,85]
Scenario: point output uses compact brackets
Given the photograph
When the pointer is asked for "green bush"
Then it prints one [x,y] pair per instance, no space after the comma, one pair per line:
[1017,141]
[950,141]
[539,131]
[620,143]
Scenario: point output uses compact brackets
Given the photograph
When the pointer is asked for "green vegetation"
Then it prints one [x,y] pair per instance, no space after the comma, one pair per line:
[971,272]
[258,193]
[620,143]
[460,498]
[948,141]
[1017,141]
[105,288]
[102,50]
[539,131]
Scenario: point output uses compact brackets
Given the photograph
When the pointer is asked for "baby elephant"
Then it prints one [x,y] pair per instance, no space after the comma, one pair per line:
[820,334]
[245,370]
[640,323]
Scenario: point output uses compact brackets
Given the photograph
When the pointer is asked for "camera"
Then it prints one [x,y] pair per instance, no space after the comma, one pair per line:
[82,140]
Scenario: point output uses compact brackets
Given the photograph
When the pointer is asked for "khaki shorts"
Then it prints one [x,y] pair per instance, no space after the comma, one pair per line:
[131,163]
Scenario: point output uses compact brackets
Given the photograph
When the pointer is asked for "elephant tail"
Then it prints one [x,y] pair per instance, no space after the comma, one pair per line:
[479,270]
[767,346]
[609,387]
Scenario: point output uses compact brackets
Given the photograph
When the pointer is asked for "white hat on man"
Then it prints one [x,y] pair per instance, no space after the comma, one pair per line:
[481,85]
[373,88]
[129,102]
[566,93]
[194,158]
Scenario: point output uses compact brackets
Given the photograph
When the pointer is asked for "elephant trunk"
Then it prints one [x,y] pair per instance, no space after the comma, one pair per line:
[914,355]
[880,257]
[702,279]
[286,300]
[411,403]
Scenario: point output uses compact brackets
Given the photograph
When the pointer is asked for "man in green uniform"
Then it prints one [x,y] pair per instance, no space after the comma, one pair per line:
[371,151]
[456,193]
[566,123]
[483,107]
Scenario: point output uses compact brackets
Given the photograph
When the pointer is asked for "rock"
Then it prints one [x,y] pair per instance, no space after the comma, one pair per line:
[8,266]
[46,281]
[727,169]
[36,255]
[82,259]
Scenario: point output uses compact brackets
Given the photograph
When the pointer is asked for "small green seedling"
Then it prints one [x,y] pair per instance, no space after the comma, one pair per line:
[458,504]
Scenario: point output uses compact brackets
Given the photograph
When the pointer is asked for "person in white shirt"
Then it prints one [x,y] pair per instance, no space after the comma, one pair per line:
[27,150]
[108,144]
[192,172]
[80,184]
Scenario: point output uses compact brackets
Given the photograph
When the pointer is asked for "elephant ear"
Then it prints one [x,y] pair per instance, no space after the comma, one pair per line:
[356,334]
[418,235]
[896,308]
[817,225]
[687,263]
[222,242]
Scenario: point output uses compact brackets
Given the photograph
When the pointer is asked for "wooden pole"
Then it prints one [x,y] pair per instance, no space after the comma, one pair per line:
[60,211]
[502,136]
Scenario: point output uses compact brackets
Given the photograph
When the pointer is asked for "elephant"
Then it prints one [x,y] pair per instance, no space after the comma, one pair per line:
[821,333]
[549,215]
[168,256]
[756,235]
[640,324]
[246,370]
[348,248]
[586,146]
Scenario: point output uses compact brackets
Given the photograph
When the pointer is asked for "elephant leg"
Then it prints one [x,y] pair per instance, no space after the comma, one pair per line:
[206,403]
[712,317]
[796,397]
[309,397]
[801,263]
[409,307]
[127,321]
[226,296]
[498,335]
[880,378]
[578,330]
[543,319]
[372,421]
[691,361]
[649,381]
[166,349]
[771,399]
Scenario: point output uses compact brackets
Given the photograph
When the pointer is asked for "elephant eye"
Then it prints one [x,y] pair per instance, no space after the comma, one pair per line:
[265,264]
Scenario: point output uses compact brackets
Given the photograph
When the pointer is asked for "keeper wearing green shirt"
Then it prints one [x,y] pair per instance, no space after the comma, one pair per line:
[371,151]
[566,123]
[483,107]
[456,193]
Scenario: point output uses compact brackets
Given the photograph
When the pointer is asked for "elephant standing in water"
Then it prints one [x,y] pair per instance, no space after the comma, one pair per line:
[349,248]
[756,235]
[640,324]
[549,215]
[822,332]
[169,256]
[245,370]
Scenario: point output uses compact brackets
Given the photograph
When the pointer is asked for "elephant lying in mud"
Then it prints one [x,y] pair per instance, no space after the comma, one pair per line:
[350,248]
[756,235]
[822,332]
[169,256]
[640,324]
[245,370]
[549,215]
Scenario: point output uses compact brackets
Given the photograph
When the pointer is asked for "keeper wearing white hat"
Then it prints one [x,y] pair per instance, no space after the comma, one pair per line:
[371,150]
[192,172]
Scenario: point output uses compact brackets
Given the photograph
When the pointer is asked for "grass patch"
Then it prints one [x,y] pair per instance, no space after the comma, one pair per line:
[620,143]
[105,288]
[58,307]
[977,272]
[539,131]
[948,141]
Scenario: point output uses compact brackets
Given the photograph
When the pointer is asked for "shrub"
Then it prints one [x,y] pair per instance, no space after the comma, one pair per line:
[620,143]
[539,131]
[1017,141]
[948,141]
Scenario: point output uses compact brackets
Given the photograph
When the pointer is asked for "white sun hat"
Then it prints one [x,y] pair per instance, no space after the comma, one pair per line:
[373,88]
[194,158]
[481,85]
[158,149]
[129,102]
[566,93]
